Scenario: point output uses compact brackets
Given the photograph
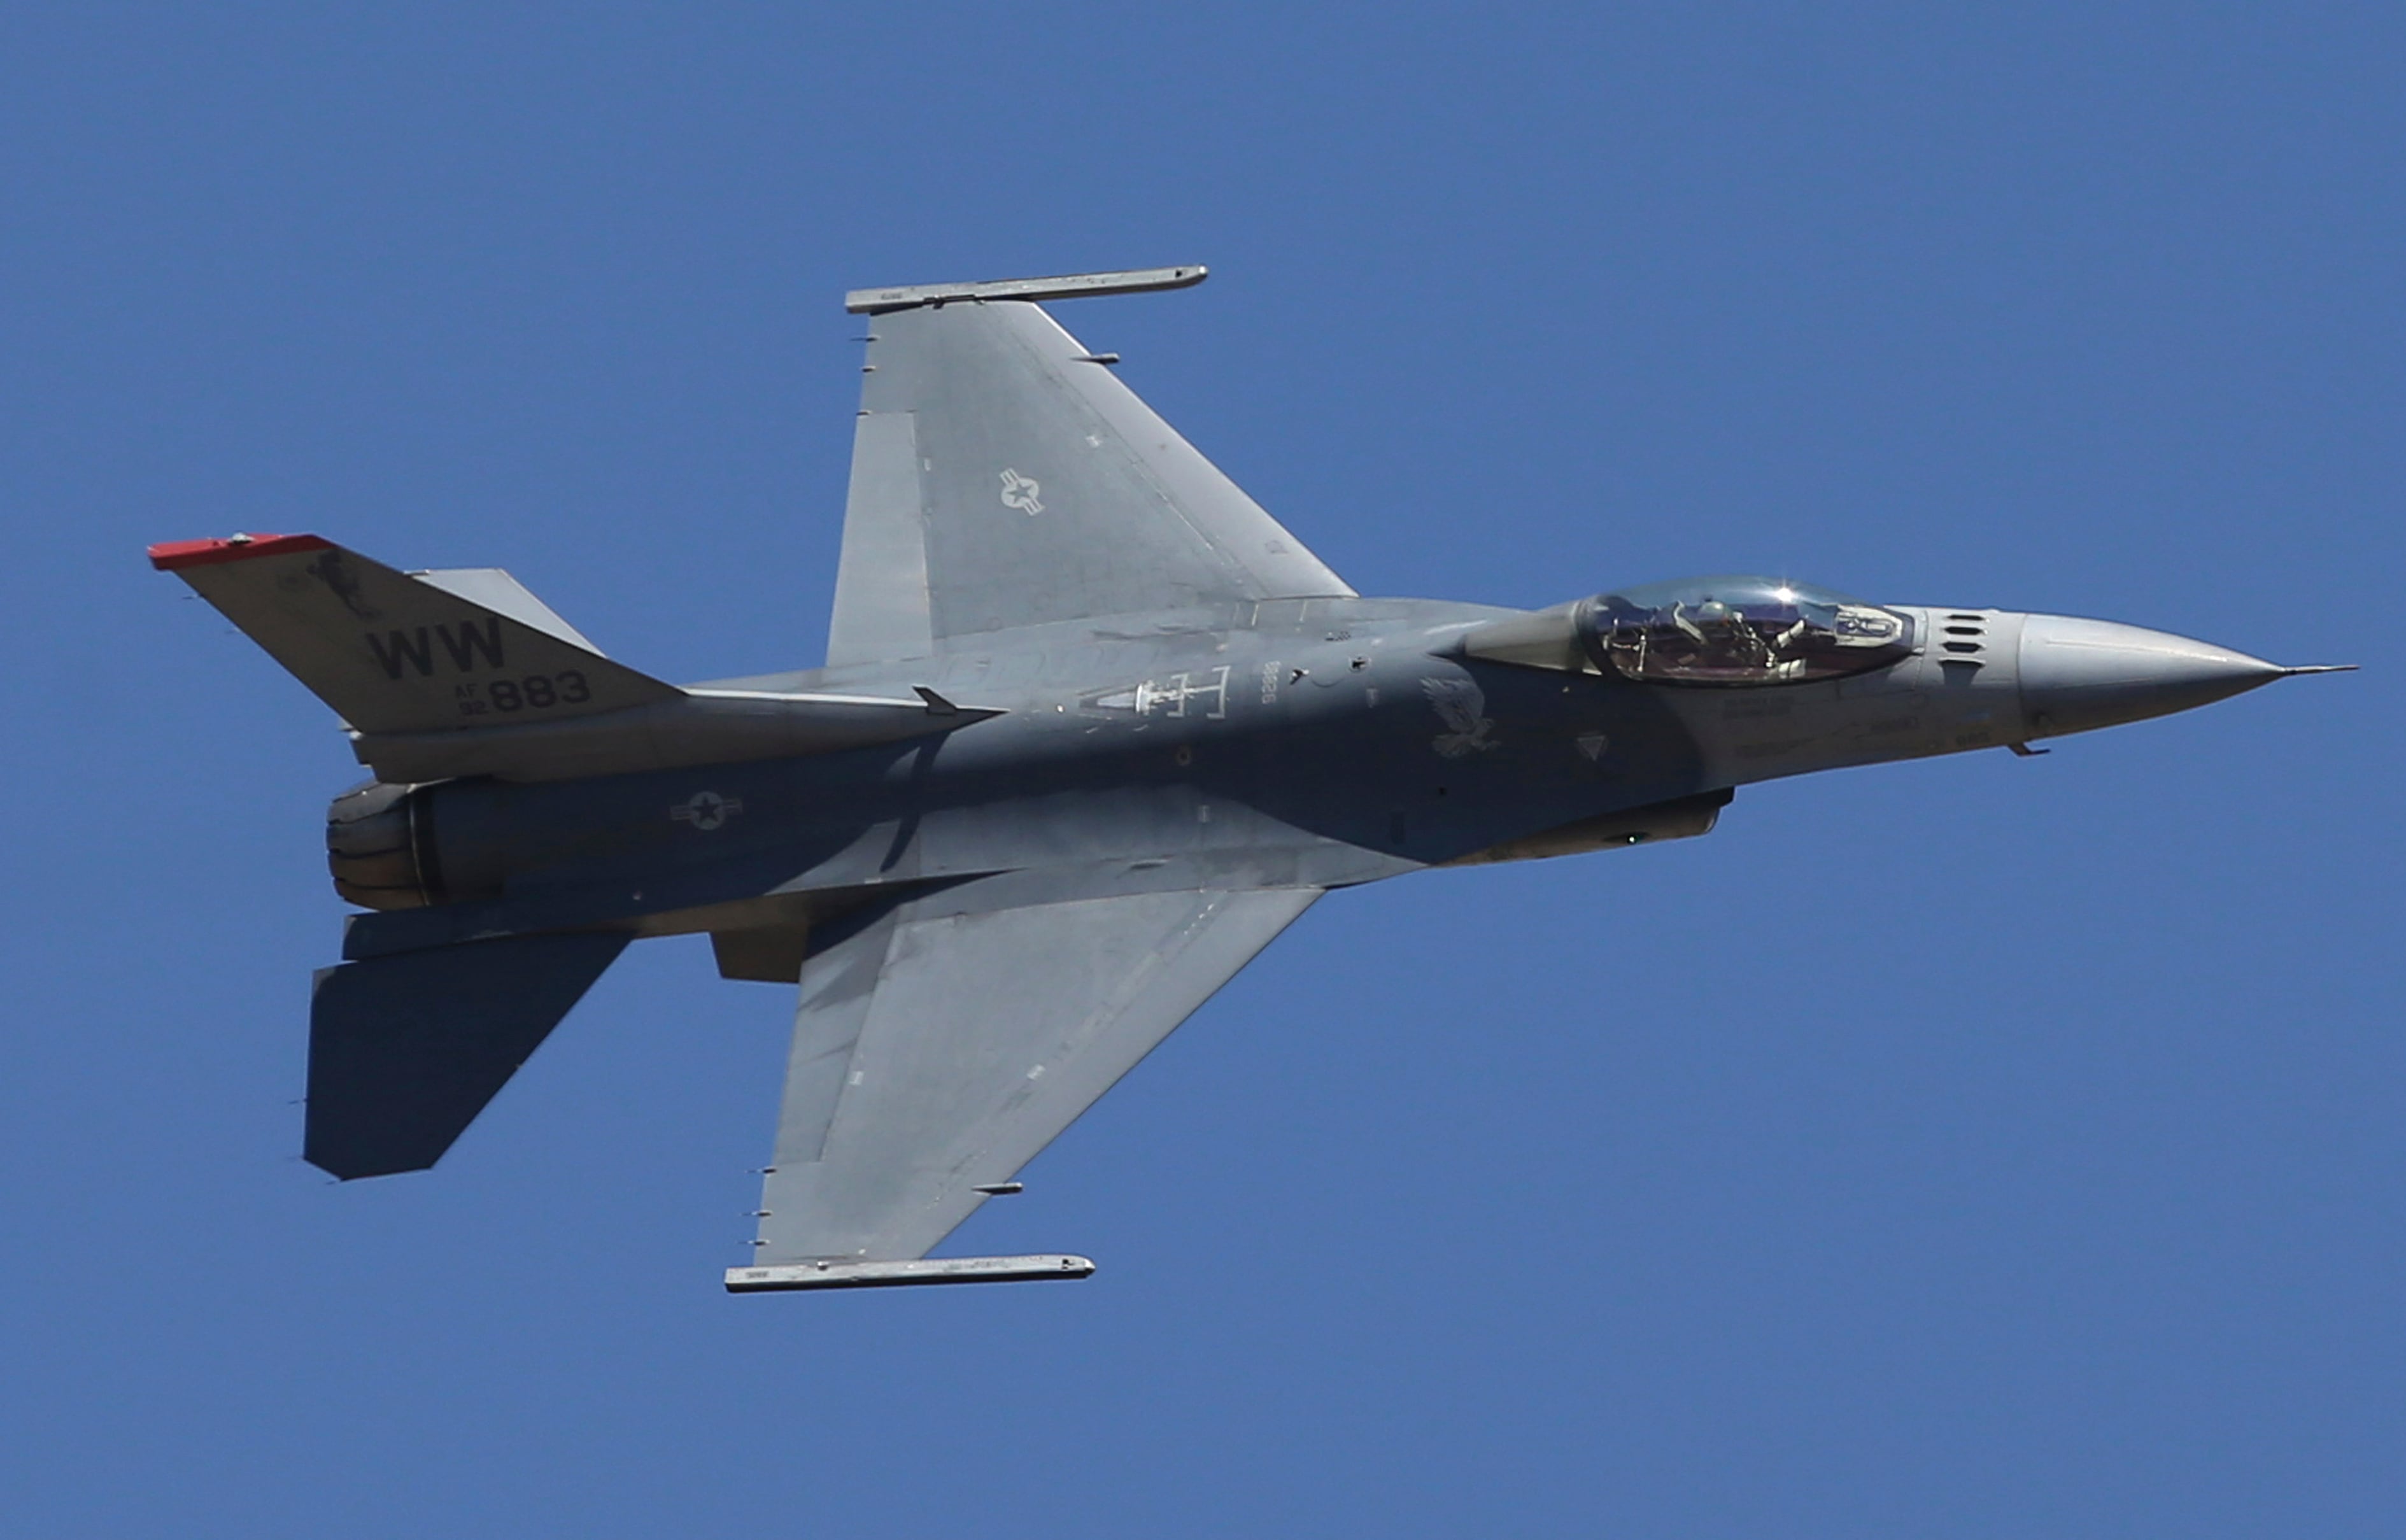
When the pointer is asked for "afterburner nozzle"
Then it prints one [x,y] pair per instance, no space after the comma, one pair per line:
[2081,675]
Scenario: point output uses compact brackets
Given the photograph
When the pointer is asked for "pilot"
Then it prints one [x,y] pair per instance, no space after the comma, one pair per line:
[1723,638]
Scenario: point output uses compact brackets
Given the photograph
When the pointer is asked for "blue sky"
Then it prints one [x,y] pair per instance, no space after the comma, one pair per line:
[1981,1147]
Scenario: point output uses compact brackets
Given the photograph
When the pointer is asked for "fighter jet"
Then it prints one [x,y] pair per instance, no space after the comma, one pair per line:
[1093,729]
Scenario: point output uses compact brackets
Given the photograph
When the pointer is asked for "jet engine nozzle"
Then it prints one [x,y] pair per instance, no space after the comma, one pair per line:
[380,847]
[2077,675]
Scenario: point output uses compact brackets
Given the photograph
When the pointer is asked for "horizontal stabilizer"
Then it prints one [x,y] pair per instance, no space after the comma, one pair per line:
[405,1050]
[400,654]
[496,589]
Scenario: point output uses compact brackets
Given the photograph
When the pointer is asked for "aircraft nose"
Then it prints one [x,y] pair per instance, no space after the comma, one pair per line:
[2081,675]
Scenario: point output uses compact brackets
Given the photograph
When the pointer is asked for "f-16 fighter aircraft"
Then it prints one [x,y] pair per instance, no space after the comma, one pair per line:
[1093,729]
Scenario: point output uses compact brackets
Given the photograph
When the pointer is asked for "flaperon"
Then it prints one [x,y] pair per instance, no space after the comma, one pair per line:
[1093,729]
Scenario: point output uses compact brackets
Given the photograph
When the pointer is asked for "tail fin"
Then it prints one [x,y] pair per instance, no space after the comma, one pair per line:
[405,1050]
[396,653]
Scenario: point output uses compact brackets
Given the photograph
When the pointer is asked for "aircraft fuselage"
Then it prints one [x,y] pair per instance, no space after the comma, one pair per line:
[1320,742]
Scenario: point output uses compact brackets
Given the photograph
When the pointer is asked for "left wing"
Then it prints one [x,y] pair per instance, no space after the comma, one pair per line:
[1004,476]
[935,1054]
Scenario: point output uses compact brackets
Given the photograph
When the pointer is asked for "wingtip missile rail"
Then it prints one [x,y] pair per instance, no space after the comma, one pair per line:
[833,1274]
[1070,286]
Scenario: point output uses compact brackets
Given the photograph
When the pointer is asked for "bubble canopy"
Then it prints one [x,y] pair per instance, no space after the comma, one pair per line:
[1732,631]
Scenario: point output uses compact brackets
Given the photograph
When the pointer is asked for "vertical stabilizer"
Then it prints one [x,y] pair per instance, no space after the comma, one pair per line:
[393,653]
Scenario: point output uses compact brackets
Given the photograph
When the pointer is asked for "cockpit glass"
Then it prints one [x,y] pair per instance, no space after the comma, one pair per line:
[1738,631]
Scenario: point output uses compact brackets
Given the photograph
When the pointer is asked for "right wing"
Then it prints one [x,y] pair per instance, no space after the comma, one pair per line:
[935,1054]
[1004,476]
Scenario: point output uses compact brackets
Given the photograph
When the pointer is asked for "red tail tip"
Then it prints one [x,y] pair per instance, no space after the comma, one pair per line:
[175,554]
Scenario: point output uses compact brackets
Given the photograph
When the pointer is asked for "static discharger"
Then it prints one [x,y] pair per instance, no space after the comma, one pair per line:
[883,1275]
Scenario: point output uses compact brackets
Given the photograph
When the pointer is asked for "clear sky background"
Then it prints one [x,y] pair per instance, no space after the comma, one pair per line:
[1983,1147]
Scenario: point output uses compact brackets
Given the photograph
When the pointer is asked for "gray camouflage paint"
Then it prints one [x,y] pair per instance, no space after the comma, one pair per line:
[1310,742]
[1095,728]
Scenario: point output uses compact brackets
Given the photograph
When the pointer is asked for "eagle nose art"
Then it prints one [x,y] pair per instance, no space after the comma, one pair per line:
[2079,674]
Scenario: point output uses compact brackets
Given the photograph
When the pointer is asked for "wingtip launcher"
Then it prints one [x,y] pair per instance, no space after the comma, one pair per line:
[1070,286]
[834,1274]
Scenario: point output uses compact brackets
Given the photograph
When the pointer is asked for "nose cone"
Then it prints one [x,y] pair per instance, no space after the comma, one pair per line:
[2080,674]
